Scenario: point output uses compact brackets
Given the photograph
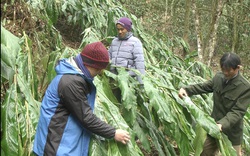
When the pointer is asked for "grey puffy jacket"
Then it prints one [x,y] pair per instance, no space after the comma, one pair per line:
[127,53]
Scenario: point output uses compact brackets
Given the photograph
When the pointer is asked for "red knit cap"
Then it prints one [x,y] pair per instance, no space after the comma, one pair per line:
[95,55]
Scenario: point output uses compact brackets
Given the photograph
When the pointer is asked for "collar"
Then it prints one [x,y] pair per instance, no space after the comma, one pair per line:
[127,36]
[85,71]
[233,77]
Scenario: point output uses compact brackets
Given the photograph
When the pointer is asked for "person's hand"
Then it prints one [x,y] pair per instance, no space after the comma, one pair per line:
[182,93]
[220,126]
[122,136]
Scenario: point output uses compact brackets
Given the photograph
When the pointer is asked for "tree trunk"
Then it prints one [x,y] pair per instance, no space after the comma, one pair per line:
[186,23]
[198,31]
[213,30]
[165,16]
[237,24]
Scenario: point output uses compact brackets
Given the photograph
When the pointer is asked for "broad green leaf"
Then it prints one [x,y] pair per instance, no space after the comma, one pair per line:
[113,117]
[203,119]
[129,100]
[10,47]
[226,147]
[97,147]
[142,134]
[10,131]
[199,140]
[7,72]
[209,125]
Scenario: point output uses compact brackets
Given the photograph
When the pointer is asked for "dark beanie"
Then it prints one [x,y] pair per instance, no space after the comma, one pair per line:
[125,22]
[95,55]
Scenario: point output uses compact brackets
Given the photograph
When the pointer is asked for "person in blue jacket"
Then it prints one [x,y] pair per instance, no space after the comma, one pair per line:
[66,115]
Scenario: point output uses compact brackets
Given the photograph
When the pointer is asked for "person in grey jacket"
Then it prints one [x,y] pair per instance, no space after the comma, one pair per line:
[126,50]
[231,97]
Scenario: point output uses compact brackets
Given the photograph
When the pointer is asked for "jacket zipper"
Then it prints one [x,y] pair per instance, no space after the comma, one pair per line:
[118,52]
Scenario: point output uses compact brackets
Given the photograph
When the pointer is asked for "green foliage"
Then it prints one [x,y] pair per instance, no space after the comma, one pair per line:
[166,20]
[156,118]
[19,111]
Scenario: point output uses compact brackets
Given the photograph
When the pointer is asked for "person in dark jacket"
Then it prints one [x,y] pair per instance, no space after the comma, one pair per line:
[66,115]
[231,97]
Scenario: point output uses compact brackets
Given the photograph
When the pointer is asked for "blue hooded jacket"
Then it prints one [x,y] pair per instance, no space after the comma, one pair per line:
[66,115]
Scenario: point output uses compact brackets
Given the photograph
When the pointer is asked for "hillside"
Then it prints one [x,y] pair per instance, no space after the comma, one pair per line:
[160,123]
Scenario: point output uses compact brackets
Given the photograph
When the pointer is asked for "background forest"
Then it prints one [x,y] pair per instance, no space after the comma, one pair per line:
[182,40]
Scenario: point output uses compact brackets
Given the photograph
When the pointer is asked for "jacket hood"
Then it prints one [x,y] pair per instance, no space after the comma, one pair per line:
[67,66]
